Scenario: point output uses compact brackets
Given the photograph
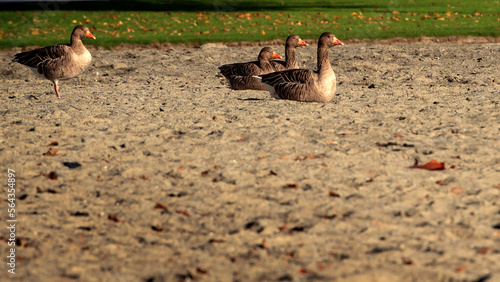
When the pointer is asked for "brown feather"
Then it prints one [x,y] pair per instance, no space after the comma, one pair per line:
[240,76]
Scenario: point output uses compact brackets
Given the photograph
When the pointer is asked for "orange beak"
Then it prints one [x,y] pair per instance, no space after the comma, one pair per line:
[276,56]
[302,43]
[336,41]
[89,35]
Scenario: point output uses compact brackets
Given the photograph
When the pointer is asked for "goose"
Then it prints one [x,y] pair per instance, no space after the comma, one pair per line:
[290,62]
[240,76]
[306,85]
[61,61]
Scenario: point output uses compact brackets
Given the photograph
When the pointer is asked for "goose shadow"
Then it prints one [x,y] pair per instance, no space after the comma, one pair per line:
[250,99]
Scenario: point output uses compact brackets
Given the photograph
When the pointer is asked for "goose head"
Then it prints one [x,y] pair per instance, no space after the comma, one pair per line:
[82,31]
[295,41]
[329,39]
[267,53]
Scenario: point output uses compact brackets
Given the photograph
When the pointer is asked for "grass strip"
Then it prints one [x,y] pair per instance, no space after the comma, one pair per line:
[198,22]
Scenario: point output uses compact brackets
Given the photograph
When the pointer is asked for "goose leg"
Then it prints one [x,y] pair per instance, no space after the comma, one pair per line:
[56,88]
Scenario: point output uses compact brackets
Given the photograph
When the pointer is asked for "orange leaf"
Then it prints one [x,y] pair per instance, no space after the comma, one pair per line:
[440,182]
[51,152]
[432,165]
[263,32]
[460,269]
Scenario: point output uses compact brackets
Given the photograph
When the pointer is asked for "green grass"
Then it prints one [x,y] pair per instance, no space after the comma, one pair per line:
[198,22]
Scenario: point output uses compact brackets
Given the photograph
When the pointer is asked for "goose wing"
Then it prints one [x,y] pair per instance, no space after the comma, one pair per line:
[43,55]
[297,84]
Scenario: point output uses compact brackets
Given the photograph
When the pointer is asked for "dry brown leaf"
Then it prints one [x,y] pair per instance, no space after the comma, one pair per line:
[290,186]
[159,206]
[334,194]
[113,217]
[51,152]
[52,175]
[157,228]
[53,143]
[183,213]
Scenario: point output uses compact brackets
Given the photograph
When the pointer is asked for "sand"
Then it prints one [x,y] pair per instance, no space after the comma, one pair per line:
[162,173]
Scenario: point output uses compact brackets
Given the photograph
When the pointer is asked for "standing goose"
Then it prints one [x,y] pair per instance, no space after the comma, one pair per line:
[290,62]
[240,76]
[306,85]
[61,61]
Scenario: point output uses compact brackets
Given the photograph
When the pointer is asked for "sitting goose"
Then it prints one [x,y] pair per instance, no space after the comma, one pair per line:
[240,76]
[61,61]
[290,62]
[306,85]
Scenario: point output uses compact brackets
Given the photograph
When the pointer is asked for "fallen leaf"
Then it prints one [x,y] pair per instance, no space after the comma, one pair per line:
[159,206]
[113,218]
[52,175]
[183,213]
[460,269]
[212,241]
[271,172]
[457,190]
[484,251]
[302,271]
[432,165]
[334,194]
[398,135]
[156,228]
[51,152]
[290,186]
[201,271]
[242,139]
[406,261]
[53,143]
[311,157]
[144,177]
[263,245]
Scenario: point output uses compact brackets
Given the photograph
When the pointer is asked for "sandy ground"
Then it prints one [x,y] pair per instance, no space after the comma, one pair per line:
[182,179]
